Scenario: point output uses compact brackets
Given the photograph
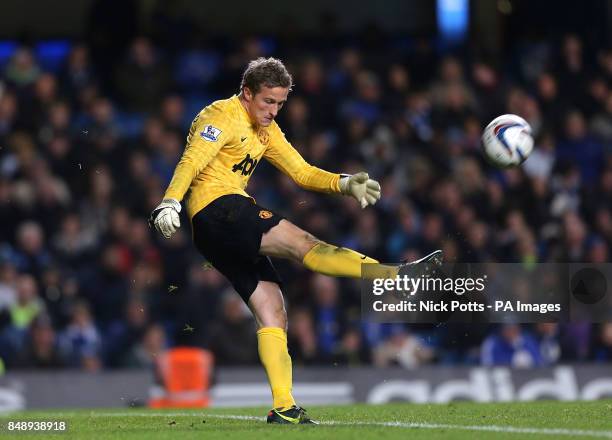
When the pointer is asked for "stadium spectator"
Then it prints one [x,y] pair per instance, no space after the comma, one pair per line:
[236,325]
[146,352]
[142,79]
[601,124]
[41,349]
[511,346]
[80,341]
[579,147]
[31,255]
[302,340]
[106,287]
[352,350]
[123,335]
[28,304]
[547,335]
[22,70]
[603,344]
[78,72]
[22,312]
[8,290]
[8,113]
[404,349]
[327,314]
[73,243]
[60,292]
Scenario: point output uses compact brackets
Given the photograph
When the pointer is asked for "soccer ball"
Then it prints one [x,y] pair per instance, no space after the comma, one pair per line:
[507,141]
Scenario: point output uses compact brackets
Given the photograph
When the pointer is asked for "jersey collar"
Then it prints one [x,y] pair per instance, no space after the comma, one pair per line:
[244,112]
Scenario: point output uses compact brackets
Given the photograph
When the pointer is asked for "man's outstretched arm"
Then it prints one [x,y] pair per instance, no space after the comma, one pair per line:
[206,137]
[283,156]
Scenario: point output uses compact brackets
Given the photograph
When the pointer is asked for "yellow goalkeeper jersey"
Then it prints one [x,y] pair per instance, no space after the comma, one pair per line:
[223,148]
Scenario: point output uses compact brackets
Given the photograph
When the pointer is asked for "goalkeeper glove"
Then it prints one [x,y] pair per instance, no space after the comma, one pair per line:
[165,218]
[365,190]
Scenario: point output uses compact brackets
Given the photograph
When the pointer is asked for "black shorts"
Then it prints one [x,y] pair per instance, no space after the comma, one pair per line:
[228,233]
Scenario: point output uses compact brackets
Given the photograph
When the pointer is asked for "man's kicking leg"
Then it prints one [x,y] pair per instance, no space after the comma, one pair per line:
[286,240]
[267,305]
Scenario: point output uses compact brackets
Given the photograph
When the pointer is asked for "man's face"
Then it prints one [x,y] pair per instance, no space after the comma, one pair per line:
[265,105]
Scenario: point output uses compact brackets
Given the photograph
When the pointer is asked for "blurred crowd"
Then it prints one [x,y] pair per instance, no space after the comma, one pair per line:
[87,149]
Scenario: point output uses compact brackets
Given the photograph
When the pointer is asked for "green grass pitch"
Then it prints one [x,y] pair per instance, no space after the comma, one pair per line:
[530,420]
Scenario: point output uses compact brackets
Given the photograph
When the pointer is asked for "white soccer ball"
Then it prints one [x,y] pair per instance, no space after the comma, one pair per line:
[507,141]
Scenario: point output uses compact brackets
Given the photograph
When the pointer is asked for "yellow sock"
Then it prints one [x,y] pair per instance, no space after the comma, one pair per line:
[272,343]
[342,262]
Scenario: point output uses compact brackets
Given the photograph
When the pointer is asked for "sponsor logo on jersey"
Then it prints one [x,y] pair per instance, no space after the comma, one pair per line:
[210,133]
[245,166]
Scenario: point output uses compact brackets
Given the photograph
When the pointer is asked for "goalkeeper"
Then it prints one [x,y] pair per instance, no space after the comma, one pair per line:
[226,141]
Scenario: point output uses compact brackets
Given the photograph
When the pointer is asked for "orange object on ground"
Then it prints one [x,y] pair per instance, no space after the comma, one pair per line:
[185,374]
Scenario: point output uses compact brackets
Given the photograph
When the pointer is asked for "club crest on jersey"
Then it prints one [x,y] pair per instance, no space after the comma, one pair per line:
[210,133]
[265,214]
[263,137]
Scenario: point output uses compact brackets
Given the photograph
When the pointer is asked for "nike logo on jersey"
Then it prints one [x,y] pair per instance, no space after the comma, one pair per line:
[242,139]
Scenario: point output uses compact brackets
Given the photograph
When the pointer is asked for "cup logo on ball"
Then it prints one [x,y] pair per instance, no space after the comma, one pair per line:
[507,141]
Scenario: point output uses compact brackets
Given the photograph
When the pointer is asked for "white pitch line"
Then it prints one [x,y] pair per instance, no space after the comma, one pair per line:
[489,428]
[408,425]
